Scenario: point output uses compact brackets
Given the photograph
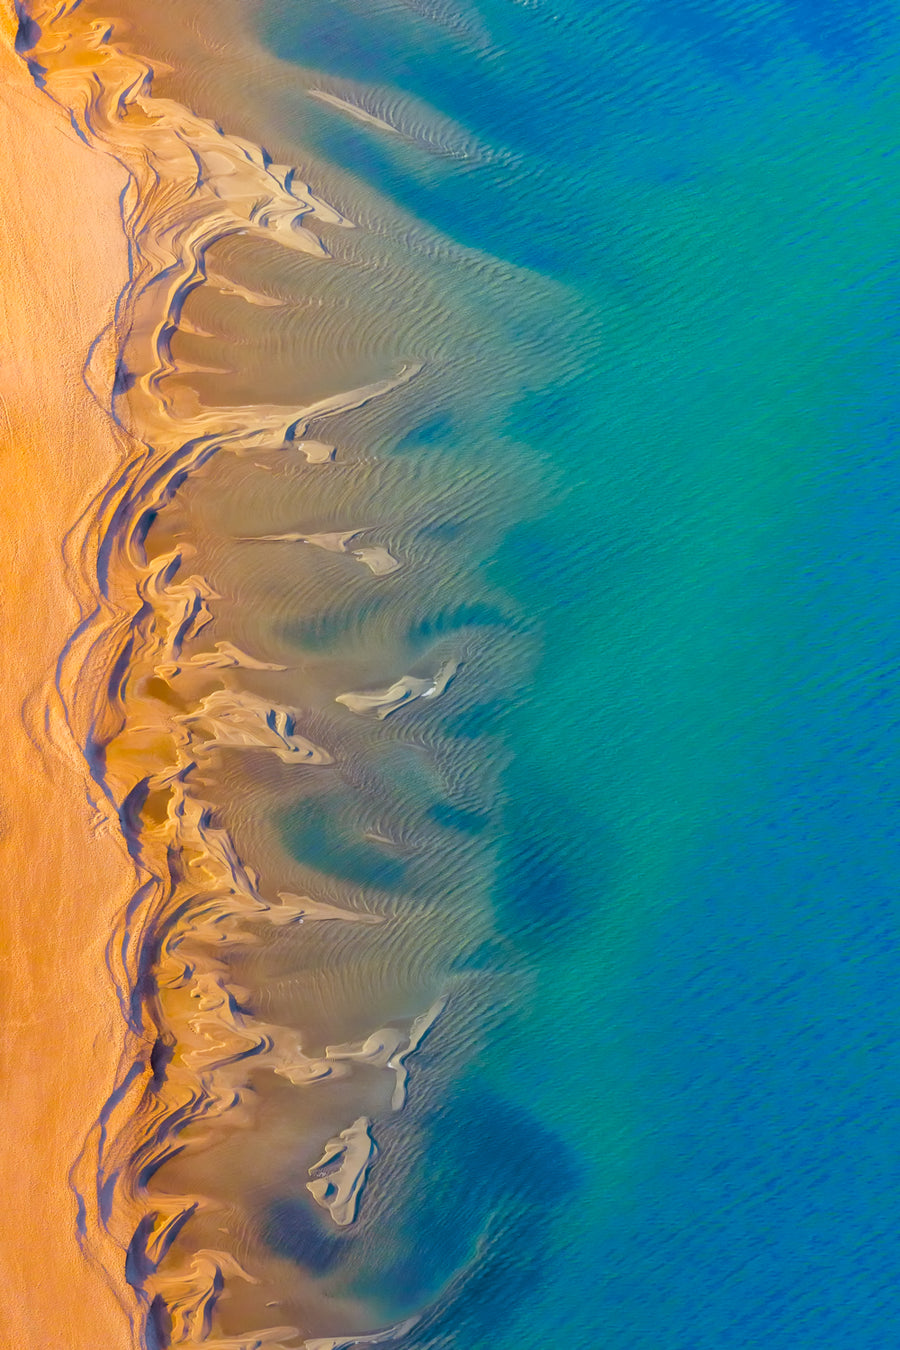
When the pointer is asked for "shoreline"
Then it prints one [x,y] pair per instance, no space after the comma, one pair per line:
[187,1049]
[62,1031]
[144,693]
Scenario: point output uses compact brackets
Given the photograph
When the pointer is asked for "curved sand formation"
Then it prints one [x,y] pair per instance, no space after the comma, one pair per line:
[382,702]
[146,715]
[380,561]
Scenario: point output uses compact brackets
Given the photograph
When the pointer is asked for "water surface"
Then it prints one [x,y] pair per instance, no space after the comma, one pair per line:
[634,850]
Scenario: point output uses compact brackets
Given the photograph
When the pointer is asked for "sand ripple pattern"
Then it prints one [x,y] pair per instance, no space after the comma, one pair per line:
[399,115]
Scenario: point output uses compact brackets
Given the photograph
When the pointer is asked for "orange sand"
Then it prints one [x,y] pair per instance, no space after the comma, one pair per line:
[62,262]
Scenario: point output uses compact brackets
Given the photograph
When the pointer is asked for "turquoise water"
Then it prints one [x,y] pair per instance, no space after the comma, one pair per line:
[682,1130]
[654,440]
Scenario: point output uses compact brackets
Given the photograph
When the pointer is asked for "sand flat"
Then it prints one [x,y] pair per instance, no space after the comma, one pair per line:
[62,262]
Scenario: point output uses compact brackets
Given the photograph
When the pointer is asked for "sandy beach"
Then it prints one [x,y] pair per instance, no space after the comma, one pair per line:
[62,263]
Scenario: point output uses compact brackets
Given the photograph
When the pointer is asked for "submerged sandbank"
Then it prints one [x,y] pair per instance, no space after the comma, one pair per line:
[62,264]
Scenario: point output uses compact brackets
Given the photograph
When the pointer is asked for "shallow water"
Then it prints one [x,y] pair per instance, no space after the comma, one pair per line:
[624,842]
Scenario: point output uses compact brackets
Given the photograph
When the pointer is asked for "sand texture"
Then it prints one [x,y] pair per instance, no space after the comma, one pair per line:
[62,263]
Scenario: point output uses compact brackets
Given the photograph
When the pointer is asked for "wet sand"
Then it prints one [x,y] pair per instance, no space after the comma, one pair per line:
[62,263]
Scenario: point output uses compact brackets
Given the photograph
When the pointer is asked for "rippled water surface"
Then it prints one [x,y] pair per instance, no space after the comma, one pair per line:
[586,606]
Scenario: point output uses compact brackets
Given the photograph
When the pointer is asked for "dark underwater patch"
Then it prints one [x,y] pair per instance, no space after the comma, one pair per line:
[429,433]
[493,1181]
[315,834]
[455,818]
[290,1229]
